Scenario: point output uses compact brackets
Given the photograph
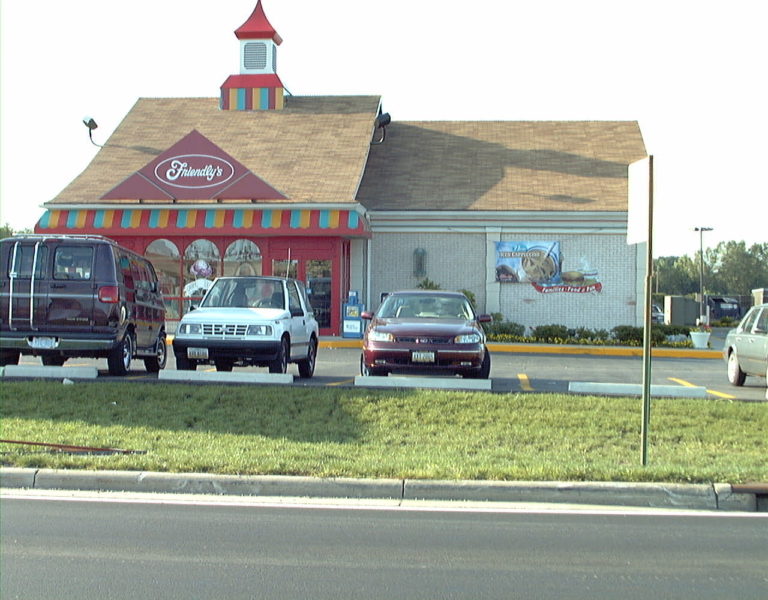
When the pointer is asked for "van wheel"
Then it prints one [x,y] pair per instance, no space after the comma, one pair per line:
[153,364]
[307,365]
[53,361]
[9,357]
[280,364]
[119,359]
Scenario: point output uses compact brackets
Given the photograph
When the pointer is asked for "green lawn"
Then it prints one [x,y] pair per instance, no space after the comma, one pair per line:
[376,433]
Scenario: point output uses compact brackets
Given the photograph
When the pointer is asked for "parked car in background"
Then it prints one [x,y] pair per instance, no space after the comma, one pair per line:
[657,315]
[746,346]
[64,296]
[425,331]
[250,321]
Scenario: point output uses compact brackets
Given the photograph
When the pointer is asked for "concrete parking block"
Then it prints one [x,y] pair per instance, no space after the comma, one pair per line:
[442,383]
[636,389]
[728,499]
[224,377]
[43,372]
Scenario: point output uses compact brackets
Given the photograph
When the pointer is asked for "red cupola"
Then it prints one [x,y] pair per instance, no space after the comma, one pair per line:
[257,87]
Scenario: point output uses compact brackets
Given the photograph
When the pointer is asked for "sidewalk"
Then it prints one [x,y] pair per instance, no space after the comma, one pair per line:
[398,492]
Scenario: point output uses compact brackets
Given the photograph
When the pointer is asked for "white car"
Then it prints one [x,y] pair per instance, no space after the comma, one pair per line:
[250,321]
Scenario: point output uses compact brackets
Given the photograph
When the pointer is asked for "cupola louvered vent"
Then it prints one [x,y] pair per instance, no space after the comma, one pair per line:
[255,55]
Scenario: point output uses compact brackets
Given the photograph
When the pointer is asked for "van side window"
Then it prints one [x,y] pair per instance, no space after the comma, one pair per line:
[25,258]
[73,262]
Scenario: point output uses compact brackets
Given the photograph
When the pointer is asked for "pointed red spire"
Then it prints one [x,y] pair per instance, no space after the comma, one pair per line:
[257,27]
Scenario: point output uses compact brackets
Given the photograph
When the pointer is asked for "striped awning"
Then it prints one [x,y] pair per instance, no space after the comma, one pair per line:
[181,221]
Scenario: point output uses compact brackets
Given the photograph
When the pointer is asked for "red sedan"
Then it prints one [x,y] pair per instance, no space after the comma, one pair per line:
[425,331]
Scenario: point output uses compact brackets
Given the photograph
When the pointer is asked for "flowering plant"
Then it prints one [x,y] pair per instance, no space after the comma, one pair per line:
[702,329]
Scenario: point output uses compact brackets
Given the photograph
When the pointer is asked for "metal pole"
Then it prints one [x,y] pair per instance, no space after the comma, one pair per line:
[702,310]
[647,323]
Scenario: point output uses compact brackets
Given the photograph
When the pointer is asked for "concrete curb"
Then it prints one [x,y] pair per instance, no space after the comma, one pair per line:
[655,495]
[636,389]
[40,372]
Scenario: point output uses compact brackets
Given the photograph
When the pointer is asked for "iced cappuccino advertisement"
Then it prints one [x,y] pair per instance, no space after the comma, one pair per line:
[539,263]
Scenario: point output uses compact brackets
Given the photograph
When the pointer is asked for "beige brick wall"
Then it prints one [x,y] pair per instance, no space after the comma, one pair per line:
[459,261]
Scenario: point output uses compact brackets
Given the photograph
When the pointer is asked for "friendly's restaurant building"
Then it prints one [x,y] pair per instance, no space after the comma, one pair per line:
[530,216]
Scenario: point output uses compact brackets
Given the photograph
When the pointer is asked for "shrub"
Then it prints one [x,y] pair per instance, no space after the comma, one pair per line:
[428,284]
[504,328]
[550,333]
[471,297]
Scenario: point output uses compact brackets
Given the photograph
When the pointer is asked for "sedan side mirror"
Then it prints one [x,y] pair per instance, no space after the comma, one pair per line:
[484,318]
[366,315]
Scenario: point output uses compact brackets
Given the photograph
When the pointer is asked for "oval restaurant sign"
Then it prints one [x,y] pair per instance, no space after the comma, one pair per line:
[194,171]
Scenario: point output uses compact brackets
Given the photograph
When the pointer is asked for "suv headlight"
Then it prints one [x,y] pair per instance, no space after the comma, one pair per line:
[264,330]
[471,338]
[190,329]
[380,336]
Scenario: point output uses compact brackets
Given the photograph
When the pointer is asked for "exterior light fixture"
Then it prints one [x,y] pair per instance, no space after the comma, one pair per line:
[91,125]
[381,122]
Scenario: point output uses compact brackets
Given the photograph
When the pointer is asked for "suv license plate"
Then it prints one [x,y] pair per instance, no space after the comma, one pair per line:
[197,353]
[423,357]
[43,343]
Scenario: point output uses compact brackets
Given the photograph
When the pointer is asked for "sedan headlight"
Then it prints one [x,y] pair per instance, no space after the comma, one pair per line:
[190,329]
[263,330]
[471,338]
[380,336]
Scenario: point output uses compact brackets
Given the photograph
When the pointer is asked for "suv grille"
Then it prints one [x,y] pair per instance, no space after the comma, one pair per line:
[224,330]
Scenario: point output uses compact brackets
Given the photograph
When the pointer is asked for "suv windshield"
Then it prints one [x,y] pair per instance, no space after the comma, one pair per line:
[402,306]
[244,292]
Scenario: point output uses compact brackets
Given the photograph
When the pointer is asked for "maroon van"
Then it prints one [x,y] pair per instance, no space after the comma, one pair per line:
[64,296]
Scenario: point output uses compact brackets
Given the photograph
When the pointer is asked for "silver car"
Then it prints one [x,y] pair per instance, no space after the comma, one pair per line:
[746,347]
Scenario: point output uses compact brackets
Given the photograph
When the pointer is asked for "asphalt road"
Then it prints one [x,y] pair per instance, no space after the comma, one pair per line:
[125,549]
[516,372]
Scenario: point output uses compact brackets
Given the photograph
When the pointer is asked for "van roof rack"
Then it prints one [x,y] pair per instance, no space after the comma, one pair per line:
[60,236]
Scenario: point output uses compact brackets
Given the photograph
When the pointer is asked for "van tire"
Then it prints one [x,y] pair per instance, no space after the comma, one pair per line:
[154,364]
[119,359]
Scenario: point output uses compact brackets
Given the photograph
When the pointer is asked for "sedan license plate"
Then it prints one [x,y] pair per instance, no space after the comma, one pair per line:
[43,343]
[197,353]
[423,357]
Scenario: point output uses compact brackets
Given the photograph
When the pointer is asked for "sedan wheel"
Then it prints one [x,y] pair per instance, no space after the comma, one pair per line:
[735,375]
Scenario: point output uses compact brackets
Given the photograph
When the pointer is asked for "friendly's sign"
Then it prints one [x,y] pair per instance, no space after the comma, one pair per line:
[194,171]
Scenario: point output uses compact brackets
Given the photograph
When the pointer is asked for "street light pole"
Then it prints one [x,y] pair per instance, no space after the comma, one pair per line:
[702,312]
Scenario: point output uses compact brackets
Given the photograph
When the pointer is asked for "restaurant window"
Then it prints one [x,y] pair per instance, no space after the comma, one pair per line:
[285,268]
[201,267]
[242,258]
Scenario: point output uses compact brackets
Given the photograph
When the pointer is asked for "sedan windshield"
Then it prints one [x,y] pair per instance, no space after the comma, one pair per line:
[402,306]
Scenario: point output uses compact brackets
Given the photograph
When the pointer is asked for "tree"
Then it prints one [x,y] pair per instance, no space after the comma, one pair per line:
[737,270]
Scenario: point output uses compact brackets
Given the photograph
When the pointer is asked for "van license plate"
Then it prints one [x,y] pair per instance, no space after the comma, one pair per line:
[197,353]
[423,357]
[43,343]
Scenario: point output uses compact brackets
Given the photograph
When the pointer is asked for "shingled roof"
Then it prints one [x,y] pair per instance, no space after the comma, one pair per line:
[502,166]
[312,151]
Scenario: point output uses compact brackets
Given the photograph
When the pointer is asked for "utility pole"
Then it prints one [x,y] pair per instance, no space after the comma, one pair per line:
[702,309]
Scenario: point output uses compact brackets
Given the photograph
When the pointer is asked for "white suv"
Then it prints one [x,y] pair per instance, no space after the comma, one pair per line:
[244,321]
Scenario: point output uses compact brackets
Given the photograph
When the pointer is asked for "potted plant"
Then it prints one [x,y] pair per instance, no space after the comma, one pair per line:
[700,336]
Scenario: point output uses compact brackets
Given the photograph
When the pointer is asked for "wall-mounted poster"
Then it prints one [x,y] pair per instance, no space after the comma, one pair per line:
[528,262]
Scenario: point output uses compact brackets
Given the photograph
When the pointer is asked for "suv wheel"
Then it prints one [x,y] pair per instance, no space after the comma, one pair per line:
[153,364]
[280,364]
[119,359]
[307,365]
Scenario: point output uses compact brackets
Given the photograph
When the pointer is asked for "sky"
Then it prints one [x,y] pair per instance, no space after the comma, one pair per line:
[692,73]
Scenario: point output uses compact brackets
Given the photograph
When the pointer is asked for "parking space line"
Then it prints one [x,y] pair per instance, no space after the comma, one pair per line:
[713,392]
[524,382]
[342,382]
